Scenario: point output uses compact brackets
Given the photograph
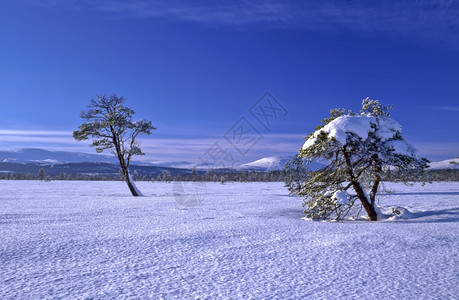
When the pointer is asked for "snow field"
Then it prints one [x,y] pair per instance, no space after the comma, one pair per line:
[244,241]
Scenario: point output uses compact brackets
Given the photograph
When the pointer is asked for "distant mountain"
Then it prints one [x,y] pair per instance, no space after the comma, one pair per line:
[274,163]
[35,155]
[270,163]
[46,157]
[31,159]
[88,168]
[445,164]
[172,164]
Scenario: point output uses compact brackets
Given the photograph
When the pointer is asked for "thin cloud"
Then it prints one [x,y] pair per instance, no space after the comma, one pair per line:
[190,149]
[432,20]
[207,12]
[14,136]
[449,108]
[36,132]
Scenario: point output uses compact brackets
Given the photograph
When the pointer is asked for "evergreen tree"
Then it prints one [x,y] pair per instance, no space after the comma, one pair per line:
[165,176]
[135,175]
[194,173]
[358,149]
[41,174]
[295,174]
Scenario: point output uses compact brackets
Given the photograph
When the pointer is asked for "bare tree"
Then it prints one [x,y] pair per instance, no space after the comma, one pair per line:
[111,127]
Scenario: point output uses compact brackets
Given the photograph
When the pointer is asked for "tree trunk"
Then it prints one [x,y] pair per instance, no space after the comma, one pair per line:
[127,177]
[374,189]
[130,183]
[369,208]
[124,168]
[377,180]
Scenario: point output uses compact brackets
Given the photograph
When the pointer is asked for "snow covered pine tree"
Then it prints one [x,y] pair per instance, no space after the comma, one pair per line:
[111,126]
[357,148]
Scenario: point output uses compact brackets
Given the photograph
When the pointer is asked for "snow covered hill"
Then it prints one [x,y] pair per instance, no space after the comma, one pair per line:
[273,163]
[46,157]
[445,164]
[35,155]
[30,160]
[267,163]
[277,162]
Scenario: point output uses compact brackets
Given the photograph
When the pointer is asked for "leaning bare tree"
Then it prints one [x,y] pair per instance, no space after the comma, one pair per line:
[111,127]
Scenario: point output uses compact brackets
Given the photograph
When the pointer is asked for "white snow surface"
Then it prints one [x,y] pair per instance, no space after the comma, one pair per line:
[92,240]
[339,127]
[341,197]
[384,128]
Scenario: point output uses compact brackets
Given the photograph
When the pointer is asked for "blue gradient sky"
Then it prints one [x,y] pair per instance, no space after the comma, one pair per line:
[195,68]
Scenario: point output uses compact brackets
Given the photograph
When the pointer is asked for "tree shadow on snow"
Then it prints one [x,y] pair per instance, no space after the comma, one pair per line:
[436,216]
[449,215]
[420,193]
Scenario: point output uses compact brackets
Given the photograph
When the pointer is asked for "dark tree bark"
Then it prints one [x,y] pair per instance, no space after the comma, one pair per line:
[124,167]
[369,207]
[377,180]
[133,190]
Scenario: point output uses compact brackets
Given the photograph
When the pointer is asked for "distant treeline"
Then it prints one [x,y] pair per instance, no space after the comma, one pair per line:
[430,175]
[216,176]
[223,176]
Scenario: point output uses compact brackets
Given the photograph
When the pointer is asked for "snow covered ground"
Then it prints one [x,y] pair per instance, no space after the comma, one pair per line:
[92,240]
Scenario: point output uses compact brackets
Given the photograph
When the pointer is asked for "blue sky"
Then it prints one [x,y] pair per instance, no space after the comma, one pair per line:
[195,68]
